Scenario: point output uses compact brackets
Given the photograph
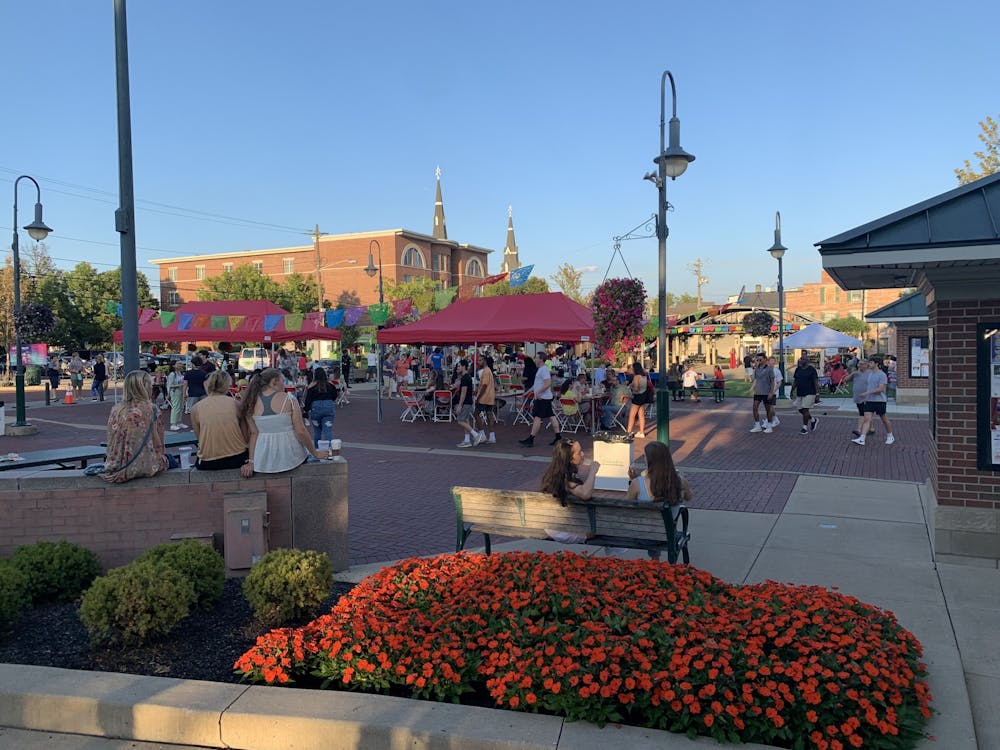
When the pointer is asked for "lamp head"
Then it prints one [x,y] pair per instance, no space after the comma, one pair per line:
[777,250]
[675,159]
[371,269]
[37,229]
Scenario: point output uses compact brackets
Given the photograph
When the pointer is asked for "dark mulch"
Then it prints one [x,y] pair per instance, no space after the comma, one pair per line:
[204,646]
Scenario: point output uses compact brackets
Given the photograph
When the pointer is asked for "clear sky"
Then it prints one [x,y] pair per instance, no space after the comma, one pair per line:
[252,121]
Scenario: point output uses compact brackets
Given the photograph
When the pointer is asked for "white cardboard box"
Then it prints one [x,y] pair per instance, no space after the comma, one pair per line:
[615,459]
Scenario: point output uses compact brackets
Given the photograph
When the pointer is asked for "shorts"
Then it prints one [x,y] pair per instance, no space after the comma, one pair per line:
[464,413]
[804,402]
[762,398]
[861,408]
[748,371]
[876,407]
[542,408]
[484,408]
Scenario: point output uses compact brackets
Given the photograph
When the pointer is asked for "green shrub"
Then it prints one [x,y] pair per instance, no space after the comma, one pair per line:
[13,593]
[287,584]
[199,563]
[135,603]
[56,571]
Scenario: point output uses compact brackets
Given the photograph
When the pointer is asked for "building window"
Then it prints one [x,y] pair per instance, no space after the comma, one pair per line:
[474,268]
[827,316]
[173,298]
[407,278]
[836,295]
[288,265]
[199,273]
[227,267]
[171,274]
[855,296]
[822,295]
[413,258]
[258,266]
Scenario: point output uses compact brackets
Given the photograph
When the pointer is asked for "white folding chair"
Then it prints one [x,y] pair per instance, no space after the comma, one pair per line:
[414,408]
[442,407]
[522,413]
[570,422]
[621,416]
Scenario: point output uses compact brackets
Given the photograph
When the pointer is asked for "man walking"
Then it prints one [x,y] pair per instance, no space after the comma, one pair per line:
[464,402]
[875,403]
[805,387]
[763,387]
[773,401]
[541,407]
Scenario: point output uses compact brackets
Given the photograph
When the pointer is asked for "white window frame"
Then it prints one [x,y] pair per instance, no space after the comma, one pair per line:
[172,274]
[258,266]
[199,273]
[227,267]
[288,265]
[411,252]
[173,298]
[481,271]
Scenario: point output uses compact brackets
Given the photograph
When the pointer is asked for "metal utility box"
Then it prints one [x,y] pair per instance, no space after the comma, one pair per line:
[246,521]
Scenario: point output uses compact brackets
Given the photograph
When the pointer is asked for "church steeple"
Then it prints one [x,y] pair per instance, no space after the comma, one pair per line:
[440,230]
[510,259]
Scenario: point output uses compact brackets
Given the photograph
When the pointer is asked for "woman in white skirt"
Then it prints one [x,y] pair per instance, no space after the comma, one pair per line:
[279,440]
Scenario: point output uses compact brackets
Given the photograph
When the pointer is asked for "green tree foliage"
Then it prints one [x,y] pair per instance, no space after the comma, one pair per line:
[989,157]
[349,335]
[569,280]
[393,290]
[533,285]
[35,321]
[758,323]
[298,293]
[850,325]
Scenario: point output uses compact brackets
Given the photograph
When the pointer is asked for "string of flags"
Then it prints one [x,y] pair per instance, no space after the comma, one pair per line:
[378,313]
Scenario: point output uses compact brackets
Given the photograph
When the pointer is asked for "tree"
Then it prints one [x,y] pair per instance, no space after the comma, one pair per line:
[244,282]
[35,322]
[758,323]
[298,293]
[394,290]
[349,335]
[533,285]
[850,325]
[618,306]
[989,158]
[568,279]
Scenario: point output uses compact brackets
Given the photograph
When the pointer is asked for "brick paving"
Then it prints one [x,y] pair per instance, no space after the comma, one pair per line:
[401,474]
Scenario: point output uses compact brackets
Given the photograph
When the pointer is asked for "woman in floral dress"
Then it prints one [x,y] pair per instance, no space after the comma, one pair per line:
[135,433]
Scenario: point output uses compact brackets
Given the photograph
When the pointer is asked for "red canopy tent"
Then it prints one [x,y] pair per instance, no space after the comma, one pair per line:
[516,317]
[193,322]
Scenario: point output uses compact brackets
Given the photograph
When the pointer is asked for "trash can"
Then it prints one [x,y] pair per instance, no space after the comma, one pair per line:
[33,375]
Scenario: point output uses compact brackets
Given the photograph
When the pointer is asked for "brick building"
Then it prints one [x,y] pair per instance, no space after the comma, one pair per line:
[337,262]
[949,247]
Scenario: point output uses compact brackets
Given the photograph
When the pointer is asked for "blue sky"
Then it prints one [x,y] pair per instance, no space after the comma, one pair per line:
[337,114]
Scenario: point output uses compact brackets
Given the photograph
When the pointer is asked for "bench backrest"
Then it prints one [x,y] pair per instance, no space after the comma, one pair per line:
[536,510]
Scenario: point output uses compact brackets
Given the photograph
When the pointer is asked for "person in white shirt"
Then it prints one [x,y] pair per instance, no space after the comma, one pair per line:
[690,381]
[541,407]
[772,419]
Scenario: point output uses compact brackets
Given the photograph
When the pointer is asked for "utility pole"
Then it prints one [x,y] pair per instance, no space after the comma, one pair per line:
[699,279]
[319,263]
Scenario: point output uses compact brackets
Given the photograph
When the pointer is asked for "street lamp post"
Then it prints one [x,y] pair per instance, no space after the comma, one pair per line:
[371,270]
[38,232]
[777,251]
[671,162]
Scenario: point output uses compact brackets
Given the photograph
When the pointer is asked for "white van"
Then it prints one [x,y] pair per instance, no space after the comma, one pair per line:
[253,359]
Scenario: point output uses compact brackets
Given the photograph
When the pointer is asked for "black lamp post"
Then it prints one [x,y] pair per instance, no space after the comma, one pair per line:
[671,162]
[371,269]
[777,251]
[38,232]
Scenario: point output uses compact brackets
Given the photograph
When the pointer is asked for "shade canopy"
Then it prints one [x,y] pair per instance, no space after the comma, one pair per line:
[818,336]
[244,320]
[511,318]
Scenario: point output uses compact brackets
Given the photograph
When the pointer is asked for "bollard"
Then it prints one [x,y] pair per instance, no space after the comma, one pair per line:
[47,394]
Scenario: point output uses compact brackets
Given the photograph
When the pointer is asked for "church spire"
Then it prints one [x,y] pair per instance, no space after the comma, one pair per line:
[440,230]
[510,259]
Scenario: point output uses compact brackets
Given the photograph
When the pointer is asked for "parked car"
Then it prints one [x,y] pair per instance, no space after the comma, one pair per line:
[253,358]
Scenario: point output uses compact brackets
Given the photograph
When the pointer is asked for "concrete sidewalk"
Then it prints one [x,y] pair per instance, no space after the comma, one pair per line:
[867,538]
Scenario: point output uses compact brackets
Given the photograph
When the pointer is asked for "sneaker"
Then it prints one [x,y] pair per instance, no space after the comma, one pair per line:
[640,434]
[492,438]
[465,444]
[175,427]
[813,424]
[859,440]
[478,438]
[889,439]
[757,428]
[775,422]
[804,430]
[556,439]
[528,442]
[767,429]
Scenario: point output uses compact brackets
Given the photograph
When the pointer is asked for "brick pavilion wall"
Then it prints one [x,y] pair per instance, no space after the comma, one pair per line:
[967,519]
[909,390]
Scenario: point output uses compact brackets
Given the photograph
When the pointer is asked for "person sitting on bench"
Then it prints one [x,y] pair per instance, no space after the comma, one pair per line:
[566,477]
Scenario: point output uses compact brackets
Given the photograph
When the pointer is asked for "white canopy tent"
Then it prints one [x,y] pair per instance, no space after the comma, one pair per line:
[818,336]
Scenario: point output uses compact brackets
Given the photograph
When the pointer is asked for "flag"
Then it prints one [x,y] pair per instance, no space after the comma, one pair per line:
[334,318]
[493,279]
[235,321]
[293,322]
[118,309]
[185,321]
[146,315]
[520,275]
[378,313]
[110,307]
[353,314]
[218,323]
[166,318]
[201,320]
[402,308]
[271,322]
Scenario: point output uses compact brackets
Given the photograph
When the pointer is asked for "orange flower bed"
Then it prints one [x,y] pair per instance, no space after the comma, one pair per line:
[633,641]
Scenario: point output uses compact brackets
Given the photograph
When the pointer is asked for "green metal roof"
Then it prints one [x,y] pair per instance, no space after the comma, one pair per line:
[911,307]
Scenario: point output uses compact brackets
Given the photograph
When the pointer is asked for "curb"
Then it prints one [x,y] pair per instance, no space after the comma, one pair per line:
[222,715]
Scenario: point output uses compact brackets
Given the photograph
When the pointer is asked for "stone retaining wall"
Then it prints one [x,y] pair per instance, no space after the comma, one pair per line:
[307,507]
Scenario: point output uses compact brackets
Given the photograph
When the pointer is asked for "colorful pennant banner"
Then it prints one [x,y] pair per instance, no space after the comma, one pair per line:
[520,275]
[334,318]
[271,322]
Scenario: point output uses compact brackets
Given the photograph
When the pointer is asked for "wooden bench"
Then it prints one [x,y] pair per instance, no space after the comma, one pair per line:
[74,457]
[605,522]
